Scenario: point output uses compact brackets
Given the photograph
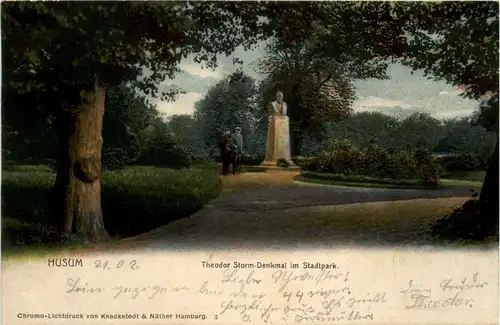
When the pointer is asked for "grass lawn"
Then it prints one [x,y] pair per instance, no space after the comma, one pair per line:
[472,175]
[327,179]
[218,167]
[407,220]
[450,183]
[134,200]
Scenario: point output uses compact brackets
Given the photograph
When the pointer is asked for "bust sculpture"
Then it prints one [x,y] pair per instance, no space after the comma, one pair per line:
[278,132]
[277,107]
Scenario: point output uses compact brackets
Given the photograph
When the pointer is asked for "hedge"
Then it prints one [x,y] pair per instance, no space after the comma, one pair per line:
[342,157]
[134,200]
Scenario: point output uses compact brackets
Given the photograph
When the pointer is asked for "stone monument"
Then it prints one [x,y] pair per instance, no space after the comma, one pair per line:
[278,132]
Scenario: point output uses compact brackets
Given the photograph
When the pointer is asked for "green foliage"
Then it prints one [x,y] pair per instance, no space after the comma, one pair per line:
[126,116]
[375,161]
[47,72]
[426,167]
[456,42]
[420,130]
[252,159]
[487,114]
[27,141]
[282,162]
[247,159]
[347,32]
[454,136]
[299,160]
[402,165]
[228,104]
[343,157]
[462,162]
[18,233]
[361,179]
[316,90]
[186,131]
[134,199]
[162,150]
[155,35]
[307,163]
[139,199]
[463,137]
[365,128]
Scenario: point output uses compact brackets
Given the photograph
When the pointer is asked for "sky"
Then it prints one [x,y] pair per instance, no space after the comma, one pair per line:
[401,95]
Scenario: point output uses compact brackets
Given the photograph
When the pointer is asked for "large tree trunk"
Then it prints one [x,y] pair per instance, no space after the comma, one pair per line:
[78,182]
[489,192]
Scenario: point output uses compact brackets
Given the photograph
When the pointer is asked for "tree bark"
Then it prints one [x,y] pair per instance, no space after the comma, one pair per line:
[489,193]
[78,182]
[65,121]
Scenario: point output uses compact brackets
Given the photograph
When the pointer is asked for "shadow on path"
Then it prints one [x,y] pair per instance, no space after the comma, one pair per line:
[271,211]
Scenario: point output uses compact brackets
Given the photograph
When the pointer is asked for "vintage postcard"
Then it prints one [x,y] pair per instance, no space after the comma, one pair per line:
[250,162]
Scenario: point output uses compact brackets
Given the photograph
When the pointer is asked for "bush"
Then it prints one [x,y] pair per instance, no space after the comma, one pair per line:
[282,162]
[460,162]
[361,179]
[247,159]
[116,158]
[161,151]
[158,196]
[134,200]
[402,165]
[308,163]
[376,162]
[342,157]
[199,159]
[252,159]
[427,169]
[298,160]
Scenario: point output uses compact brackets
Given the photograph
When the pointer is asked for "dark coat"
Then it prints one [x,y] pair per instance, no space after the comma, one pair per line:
[226,144]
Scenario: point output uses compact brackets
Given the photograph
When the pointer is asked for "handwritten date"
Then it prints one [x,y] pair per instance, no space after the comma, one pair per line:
[105,265]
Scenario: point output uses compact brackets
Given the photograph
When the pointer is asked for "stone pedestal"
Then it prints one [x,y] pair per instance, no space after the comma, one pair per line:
[278,140]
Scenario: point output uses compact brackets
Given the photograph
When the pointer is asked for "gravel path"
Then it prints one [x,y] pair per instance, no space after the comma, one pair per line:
[266,198]
[266,210]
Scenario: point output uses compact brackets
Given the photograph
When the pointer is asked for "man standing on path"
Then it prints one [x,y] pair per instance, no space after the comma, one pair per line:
[238,150]
[226,148]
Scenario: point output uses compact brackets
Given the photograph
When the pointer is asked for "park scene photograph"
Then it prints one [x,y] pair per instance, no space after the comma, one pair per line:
[270,124]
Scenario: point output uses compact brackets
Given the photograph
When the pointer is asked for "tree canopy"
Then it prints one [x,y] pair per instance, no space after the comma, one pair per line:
[228,104]
[58,64]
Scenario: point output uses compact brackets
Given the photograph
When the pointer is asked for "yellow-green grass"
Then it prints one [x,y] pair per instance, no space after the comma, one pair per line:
[367,216]
[406,220]
[449,183]
[472,175]
[443,183]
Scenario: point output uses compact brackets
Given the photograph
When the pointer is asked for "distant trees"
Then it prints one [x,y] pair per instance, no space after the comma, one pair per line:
[457,136]
[185,129]
[126,117]
[318,89]
[228,104]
